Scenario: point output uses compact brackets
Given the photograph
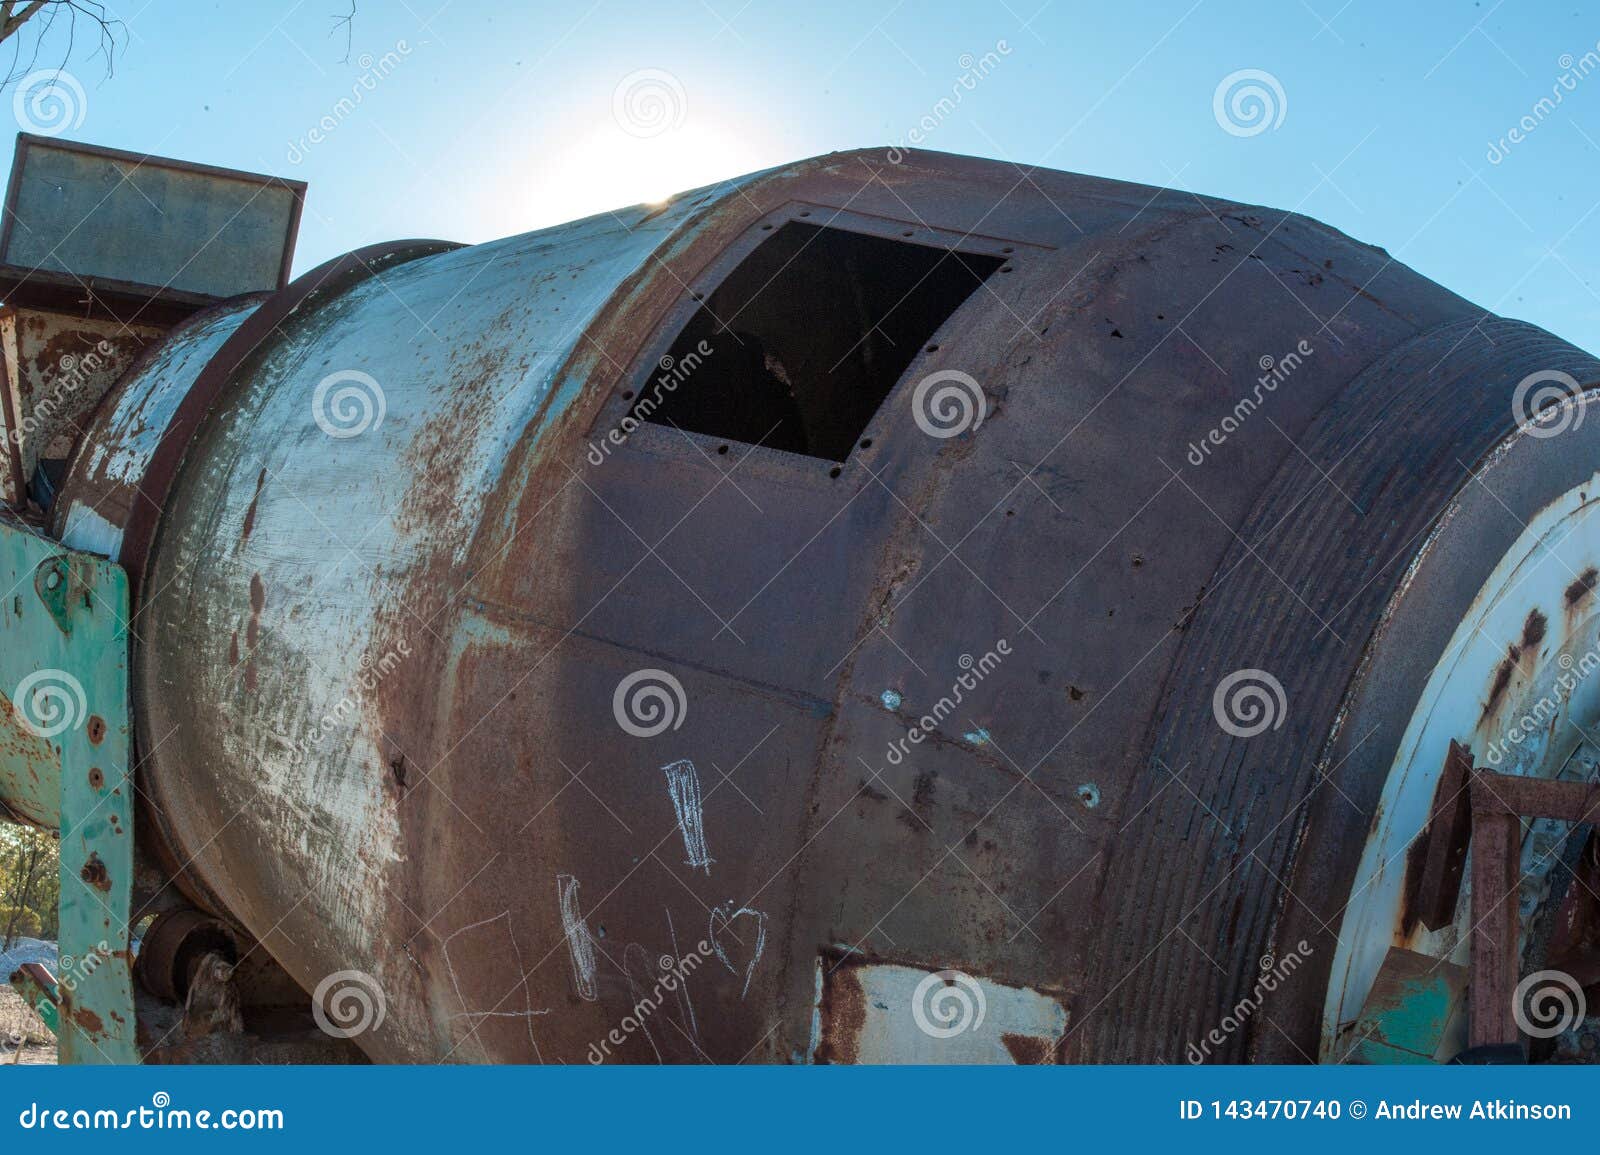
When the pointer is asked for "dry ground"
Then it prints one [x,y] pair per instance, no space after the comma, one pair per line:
[17,1021]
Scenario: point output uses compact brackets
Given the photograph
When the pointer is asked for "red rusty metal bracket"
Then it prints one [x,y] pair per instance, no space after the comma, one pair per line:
[1441,852]
[1499,803]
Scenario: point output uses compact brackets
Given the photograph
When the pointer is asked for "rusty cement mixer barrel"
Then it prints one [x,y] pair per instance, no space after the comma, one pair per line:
[750,606]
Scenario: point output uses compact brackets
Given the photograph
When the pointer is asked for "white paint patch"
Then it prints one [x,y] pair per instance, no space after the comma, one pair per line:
[683,787]
[910,1015]
[579,945]
[742,931]
[88,531]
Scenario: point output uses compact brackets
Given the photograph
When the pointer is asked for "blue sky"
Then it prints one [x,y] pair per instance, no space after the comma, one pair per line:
[497,117]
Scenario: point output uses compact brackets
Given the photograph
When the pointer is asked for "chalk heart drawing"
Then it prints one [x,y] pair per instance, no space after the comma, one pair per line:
[738,938]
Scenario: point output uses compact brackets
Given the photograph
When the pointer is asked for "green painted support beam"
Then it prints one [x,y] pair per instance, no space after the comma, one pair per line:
[64,761]
[40,992]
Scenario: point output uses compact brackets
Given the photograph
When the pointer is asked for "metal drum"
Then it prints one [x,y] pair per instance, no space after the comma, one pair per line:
[844,605]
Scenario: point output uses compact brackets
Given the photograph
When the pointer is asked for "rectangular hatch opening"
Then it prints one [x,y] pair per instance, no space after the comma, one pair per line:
[799,345]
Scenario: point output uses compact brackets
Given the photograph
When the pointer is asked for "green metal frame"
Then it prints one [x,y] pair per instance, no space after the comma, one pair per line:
[64,761]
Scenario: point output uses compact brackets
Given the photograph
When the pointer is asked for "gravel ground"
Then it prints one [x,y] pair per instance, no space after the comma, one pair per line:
[23,1038]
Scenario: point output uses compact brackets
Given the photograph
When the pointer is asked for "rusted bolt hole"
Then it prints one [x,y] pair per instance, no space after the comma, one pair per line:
[96,778]
[1089,795]
[97,728]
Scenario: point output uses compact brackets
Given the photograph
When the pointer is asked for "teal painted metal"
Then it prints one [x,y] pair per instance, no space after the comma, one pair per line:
[37,989]
[64,672]
[1415,1013]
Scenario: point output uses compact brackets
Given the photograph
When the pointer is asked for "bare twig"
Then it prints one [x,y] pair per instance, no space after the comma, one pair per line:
[347,22]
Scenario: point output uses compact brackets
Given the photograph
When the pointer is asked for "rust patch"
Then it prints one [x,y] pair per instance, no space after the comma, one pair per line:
[96,729]
[94,873]
[1583,587]
[1533,632]
[250,514]
[97,780]
[88,1020]
[843,1012]
[252,629]
[1028,1051]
